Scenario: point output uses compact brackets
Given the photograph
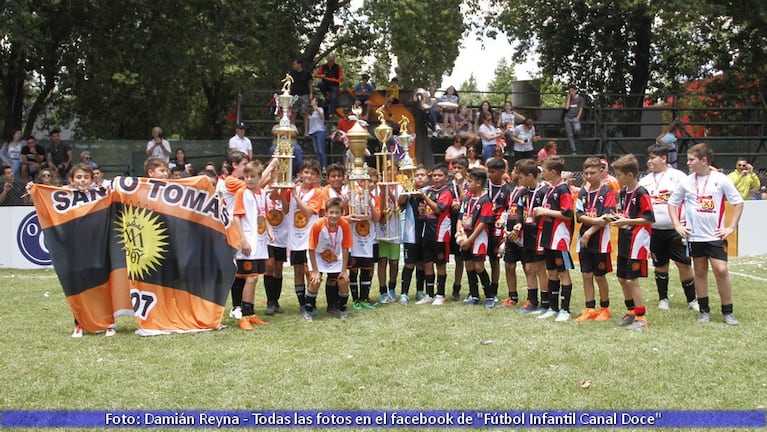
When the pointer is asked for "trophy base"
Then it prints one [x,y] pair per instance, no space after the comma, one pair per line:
[389,239]
[282,186]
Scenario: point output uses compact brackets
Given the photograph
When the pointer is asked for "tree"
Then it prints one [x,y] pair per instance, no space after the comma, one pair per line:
[468,92]
[500,86]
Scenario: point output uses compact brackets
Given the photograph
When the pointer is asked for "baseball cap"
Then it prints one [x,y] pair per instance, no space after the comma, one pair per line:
[240,125]
[604,162]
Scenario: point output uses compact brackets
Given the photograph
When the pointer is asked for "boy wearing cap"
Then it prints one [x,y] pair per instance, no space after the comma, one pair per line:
[240,142]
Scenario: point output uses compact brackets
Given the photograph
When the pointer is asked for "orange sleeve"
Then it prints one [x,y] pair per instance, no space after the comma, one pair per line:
[239,204]
[347,230]
[317,202]
[314,233]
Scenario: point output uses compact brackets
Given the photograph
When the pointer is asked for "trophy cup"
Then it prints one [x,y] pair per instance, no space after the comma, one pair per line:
[359,180]
[388,186]
[406,165]
[284,132]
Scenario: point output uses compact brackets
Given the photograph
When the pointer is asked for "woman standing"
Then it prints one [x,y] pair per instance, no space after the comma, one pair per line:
[489,135]
[667,138]
[524,137]
[10,152]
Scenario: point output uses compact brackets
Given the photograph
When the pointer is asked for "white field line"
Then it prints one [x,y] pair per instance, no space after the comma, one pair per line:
[748,276]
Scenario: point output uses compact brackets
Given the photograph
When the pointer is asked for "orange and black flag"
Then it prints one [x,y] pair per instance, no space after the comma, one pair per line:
[171,237]
[77,232]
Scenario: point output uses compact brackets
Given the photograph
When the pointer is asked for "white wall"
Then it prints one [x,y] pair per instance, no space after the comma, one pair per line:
[752,228]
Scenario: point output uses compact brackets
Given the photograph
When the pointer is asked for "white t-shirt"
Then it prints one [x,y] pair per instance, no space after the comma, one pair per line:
[704,199]
[660,186]
[250,207]
[526,135]
[157,151]
[489,130]
[452,152]
[241,144]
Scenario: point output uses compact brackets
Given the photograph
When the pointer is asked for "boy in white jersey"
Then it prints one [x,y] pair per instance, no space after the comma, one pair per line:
[666,244]
[329,242]
[250,209]
[703,194]
[362,222]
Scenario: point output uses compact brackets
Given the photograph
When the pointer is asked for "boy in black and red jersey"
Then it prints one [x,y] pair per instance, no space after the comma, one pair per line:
[595,200]
[498,190]
[556,234]
[473,237]
[634,217]
[512,249]
[528,228]
[435,210]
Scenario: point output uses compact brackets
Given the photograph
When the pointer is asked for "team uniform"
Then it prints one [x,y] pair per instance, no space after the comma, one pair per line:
[595,257]
[704,198]
[436,228]
[556,234]
[512,249]
[328,247]
[300,225]
[476,210]
[532,250]
[250,207]
[412,240]
[362,250]
[634,240]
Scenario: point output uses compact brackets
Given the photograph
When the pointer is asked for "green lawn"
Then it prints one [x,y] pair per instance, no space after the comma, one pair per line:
[393,357]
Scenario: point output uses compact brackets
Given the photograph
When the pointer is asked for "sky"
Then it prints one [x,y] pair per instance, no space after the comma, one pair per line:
[482,61]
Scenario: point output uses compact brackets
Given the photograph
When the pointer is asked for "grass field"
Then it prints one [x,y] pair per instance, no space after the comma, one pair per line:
[393,357]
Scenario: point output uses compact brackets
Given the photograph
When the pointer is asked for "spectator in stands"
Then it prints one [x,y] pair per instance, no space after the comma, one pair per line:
[49,177]
[463,122]
[59,154]
[484,107]
[10,152]
[13,192]
[158,147]
[392,95]
[448,113]
[32,158]
[763,193]
[489,135]
[608,178]
[302,87]
[362,92]
[744,179]
[498,154]
[507,121]
[87,159]
[667,137]
[98,179]
[433,115]
[549,149]
[319,133]
[240,142]
[475,161]
[454,151]
[210,166]
[573,113]
[179,161]
[331,75]
[524,138]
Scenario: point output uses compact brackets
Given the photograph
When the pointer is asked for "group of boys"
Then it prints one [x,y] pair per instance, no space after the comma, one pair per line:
[478,215]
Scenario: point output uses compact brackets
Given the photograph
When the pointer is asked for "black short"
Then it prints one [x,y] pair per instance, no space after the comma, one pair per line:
[278,253]
[513,252]
[248,268]
[558,260]
[360,263]
[666,245]
[375,251]
[434,251]
[467,256]
[532,256]
[631,268]
[412,253]
[298,258]
[594,262]
[714,249]
[492,247]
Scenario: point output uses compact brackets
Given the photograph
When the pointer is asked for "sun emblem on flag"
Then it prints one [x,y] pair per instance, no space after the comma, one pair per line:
[144,238]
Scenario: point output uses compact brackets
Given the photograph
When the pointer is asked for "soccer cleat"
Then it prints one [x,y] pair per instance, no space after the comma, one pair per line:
[271,309]
[256,320]
[419,295]
[403,299]
[236,313]
[693,305]
[489,303]
[528,307]
[539,311]
[508,302]
[587,314]
[244,324]
[357,305]
[425,300]
[562,316]
[367,305]
[342,314]
[78,332]
[393,295]
[307,315]
[110,332]
[704,318]
[472,301]
[730,319]
[663,304]
[278,309]
[386,299]
[439,300]
[456,295]
[548,314]
[627,319]
[638,324]
[603,315]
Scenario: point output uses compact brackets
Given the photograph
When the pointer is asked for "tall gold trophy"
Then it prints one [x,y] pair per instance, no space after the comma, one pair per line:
[359,180]
[388,186]
[284,132]
[406,165]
